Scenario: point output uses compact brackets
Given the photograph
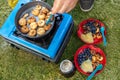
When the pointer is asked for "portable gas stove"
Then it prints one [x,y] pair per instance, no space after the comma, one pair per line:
[49,48]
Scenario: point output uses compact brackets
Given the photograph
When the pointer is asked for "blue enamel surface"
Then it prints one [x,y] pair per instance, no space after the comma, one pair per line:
[60,34]
[9,24]
[9,27]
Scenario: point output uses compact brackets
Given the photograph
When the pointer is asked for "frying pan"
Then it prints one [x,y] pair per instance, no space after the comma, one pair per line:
[27,8]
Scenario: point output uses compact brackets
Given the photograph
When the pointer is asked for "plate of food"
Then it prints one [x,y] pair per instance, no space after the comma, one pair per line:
[89,31]
[87,58]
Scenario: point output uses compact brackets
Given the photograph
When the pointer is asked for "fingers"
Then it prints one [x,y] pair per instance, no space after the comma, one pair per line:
[56,6]
[59,9]
[63,9]
[61,6]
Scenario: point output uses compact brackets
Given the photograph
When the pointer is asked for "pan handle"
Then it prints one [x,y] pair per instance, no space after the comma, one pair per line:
[49,19]
[58,17]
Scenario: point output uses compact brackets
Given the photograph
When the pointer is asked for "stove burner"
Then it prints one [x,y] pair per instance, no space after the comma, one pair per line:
[45,41]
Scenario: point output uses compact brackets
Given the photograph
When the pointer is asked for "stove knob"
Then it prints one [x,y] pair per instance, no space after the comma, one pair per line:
[58,17]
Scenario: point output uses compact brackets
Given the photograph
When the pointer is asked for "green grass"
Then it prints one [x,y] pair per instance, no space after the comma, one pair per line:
[20,65]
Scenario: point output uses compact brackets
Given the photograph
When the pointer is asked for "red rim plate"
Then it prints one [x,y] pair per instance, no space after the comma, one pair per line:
[80,30]
[103,62]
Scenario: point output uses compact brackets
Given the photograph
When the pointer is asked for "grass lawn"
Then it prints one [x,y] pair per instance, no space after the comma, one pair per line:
[20,65]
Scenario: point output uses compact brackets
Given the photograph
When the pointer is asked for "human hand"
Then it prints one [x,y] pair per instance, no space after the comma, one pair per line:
[61,6]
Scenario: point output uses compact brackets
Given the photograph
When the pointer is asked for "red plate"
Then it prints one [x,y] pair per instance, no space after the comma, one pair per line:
[103,62]
[80,30]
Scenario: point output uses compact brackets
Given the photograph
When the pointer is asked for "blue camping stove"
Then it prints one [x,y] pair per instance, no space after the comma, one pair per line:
[49,48]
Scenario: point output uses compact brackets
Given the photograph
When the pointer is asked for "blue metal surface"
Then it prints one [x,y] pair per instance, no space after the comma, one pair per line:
[9,27]
[9,24]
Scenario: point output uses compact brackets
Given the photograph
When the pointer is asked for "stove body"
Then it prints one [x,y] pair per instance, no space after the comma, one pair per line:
[49,48]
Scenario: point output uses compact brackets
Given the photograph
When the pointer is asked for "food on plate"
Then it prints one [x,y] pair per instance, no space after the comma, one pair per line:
[87,37]
[25,15]
[98,30]
[96,24]
[99,35]
[47,27]
[22,22]
[31,19]
[40,31]
[93,52]
[33,25]
[94,59]
[86,66]
[88,59]
[94,36]
[41,16]
[91,27]
[35,12]
[24,29]
[32,33]
[38,7]
[44,10]
[41,23]
[48,14]
[84,55]
[99,57]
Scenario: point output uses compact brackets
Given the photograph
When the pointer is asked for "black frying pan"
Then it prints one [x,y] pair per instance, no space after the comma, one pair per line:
[27,9]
